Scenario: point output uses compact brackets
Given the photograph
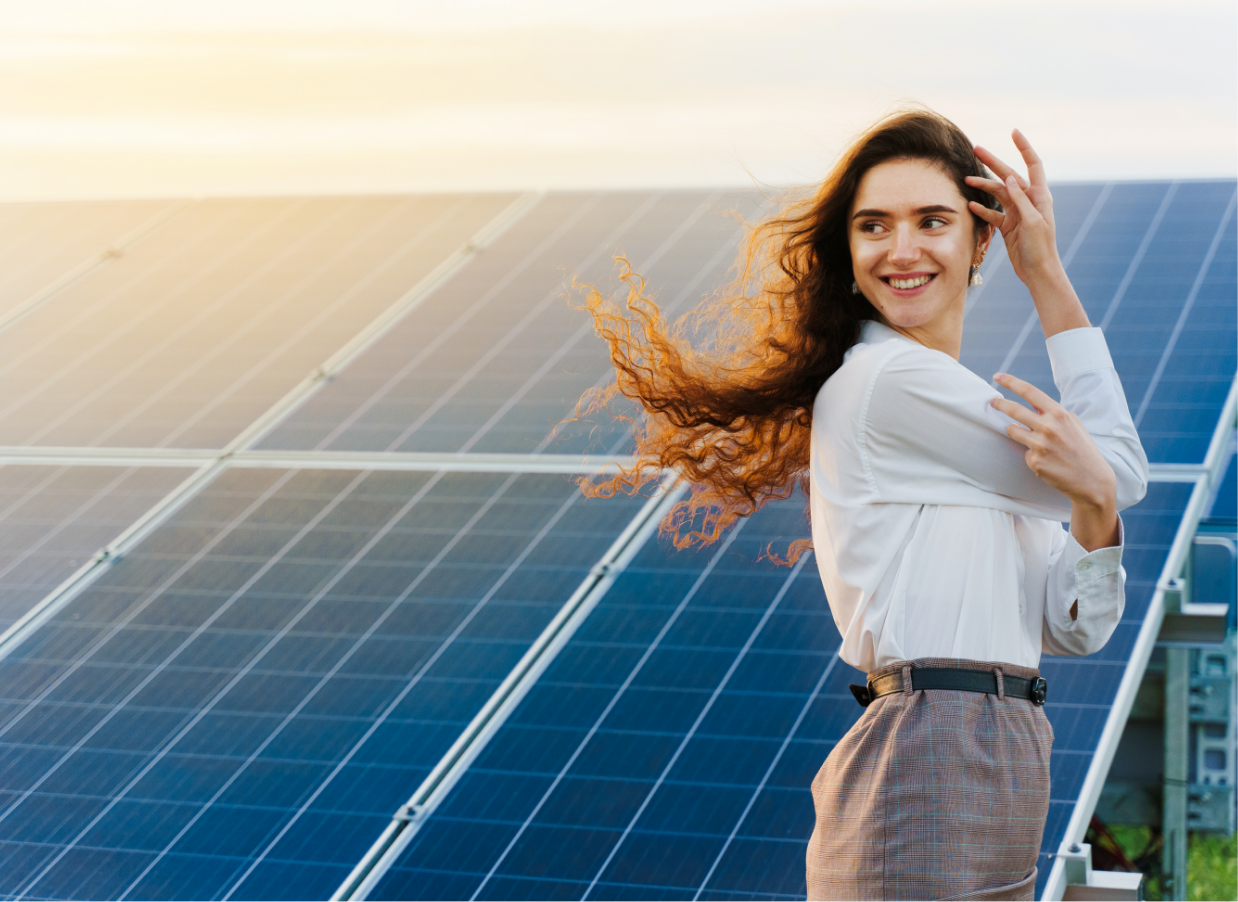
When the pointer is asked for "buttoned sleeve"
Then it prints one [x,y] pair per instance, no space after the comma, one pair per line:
[1095,582]
[930,436]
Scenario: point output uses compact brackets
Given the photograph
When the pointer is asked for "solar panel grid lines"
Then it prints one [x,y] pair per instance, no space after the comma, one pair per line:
[1137,258]
[32,881]
[430,377]
[521,771]
[586,328]
[356,346]
[1187,306]
[191,324]
[1081,233]
[33,278]
[324,819]
[692,730]
[472,741]
[53,521]
[516,329]
[615,698]
[431,660]
[49,604]
[691,289]
[442,335]
[222,331]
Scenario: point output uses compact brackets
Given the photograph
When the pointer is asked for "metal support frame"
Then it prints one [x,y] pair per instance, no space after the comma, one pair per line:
[1094,781]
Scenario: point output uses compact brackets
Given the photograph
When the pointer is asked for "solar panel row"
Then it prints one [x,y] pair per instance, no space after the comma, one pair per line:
[240,705]
[247,694]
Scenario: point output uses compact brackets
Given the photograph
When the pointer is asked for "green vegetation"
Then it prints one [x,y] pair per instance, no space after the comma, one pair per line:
[1212,867]
[1211,870]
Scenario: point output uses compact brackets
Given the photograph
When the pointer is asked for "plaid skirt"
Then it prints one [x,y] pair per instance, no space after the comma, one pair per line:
[934,794]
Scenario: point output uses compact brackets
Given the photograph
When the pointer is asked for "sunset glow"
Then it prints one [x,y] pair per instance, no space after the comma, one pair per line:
[143,98]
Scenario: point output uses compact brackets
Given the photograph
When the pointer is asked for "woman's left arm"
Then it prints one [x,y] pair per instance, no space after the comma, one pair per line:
[1100,468]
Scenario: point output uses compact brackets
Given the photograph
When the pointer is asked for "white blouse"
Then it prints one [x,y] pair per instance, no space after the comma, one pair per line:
[932,535]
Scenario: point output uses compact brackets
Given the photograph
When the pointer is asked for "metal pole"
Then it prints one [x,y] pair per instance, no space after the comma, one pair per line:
[1177,711]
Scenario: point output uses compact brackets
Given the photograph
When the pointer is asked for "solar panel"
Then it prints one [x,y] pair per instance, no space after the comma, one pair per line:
[668,750]
[494,360]
[54,518]
[209,320]
[44,246]
[241,704]
[237,705]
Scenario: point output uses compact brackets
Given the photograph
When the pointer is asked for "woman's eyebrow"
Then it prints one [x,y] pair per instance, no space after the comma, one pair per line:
[934,208]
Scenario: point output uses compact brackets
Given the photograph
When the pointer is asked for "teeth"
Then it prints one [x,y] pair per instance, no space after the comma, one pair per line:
[910,283]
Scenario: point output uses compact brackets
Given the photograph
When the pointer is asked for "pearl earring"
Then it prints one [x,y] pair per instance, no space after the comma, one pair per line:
[975,278]
[855,289]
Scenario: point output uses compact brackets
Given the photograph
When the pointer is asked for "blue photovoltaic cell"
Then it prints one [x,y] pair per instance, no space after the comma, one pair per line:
[494,359]
[1154,263]
[237,707]
[668,751]
[53,519]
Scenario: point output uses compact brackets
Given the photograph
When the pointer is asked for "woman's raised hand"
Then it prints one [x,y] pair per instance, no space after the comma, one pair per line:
[1031,238]
[1027,223]
[1062,453]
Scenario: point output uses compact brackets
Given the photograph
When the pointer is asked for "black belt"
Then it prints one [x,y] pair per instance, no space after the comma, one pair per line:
[952,678]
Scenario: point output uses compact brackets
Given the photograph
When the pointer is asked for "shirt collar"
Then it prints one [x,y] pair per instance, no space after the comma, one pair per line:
[872,332]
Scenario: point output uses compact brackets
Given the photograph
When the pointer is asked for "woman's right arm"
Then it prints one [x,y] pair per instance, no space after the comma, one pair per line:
[930,434]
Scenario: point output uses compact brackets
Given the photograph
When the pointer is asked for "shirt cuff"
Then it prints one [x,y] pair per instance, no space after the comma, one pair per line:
[1077,351]
[1092,567]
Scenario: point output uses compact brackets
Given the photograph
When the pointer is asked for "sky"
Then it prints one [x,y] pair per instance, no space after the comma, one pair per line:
[140,98]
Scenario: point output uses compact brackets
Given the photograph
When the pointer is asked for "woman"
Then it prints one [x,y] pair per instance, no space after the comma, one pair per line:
[936,504]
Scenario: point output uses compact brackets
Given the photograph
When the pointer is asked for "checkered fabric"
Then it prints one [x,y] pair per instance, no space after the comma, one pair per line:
[934,794]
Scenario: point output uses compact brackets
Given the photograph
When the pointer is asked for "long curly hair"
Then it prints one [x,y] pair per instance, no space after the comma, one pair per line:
[732,414]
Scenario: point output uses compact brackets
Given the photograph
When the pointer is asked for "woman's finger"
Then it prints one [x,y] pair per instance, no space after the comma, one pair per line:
[1001,169]
[1016,412]
[996,188]
[1025,390]
[1021,202]
[1035,168]
[992,217]
[1020,434]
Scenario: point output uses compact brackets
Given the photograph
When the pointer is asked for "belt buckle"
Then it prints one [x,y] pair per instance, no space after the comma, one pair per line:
[863,694]
[1038,691]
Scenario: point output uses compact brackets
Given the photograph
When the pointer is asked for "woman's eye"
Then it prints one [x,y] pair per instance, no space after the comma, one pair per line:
[934,222]
[871,227]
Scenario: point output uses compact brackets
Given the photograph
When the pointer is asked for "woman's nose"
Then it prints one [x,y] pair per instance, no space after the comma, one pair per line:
[906,249]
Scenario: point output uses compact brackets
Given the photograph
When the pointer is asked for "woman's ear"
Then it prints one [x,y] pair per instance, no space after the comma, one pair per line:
[984,239]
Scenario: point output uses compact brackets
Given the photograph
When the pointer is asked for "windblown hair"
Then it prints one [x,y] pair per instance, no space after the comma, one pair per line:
[733,416]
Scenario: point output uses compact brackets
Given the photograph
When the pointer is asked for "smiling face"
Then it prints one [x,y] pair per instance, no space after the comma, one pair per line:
[913,242]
